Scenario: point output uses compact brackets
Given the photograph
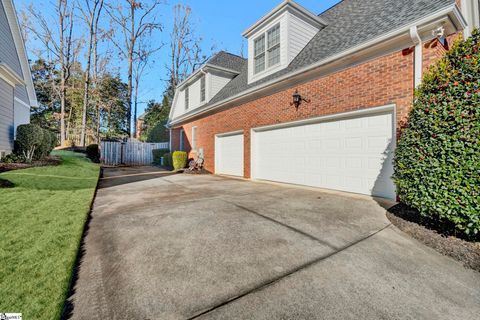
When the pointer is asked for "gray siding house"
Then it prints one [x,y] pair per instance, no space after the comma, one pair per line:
[17,94]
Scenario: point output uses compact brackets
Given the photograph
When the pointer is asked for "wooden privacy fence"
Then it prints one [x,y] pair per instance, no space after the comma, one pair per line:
[129,153]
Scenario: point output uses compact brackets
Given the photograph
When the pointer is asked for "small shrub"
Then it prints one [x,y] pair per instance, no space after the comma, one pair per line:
[13,158]
[179,160]
[437,162]
[158,154]
[29,138]
[93,153]
[167,160]
[48,143]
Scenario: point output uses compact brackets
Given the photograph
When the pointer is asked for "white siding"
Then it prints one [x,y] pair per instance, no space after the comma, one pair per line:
[295,33]
[299,35]
[217,82]
[194,94]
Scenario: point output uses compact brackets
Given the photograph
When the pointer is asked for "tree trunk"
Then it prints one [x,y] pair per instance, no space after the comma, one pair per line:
[87,83]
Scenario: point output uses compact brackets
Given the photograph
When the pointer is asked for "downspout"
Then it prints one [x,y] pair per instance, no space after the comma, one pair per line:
[418,64]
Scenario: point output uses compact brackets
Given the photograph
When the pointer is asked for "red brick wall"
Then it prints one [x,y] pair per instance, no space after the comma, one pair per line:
[385,80]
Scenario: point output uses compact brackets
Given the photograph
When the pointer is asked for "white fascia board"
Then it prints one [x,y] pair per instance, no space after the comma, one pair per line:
[21,50]
[312,18]
[451,11]
[10,76]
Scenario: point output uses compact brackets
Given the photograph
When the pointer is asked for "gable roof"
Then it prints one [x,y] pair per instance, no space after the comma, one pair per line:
[350,23]
[227,60]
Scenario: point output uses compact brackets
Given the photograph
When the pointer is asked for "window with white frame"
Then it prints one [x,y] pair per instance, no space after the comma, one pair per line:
[202,89]
[182,143]
[273,40]
[194,138]
[266,49]
[259,48]
[187,98]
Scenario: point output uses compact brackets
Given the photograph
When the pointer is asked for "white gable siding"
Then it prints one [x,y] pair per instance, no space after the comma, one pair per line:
[295,33]
[217,82]
[194,94]
[283,21]
[299,35]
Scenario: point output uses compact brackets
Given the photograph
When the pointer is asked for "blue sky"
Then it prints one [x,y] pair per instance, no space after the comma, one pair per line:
[219,23]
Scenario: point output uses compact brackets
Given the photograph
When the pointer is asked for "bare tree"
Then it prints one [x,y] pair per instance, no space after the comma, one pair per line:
[91,15]
[58,44]
[135,20]
[185,47]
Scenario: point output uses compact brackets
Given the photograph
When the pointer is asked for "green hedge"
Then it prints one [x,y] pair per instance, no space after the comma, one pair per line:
[158,154]
[33,142]
[93,153]
[167,160]
[437,162]
[179,160]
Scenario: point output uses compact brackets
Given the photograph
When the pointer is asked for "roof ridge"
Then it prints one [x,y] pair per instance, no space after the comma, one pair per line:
[232,54]
[328,9]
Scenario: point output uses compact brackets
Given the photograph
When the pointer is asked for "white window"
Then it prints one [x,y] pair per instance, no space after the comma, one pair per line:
[187,98]
[267,49]
[194,138]
[182,143]
[273,39]
[202,89]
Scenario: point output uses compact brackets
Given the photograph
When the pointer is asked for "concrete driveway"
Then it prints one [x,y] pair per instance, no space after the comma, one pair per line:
[163,246]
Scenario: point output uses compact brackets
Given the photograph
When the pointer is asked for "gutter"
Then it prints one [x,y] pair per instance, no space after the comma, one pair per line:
[460,24]
[418,55]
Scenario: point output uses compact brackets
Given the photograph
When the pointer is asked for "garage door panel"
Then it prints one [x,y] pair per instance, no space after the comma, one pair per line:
[350,155]
[229,155]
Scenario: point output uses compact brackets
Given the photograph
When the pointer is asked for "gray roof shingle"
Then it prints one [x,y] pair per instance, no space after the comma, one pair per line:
[350,23]
[228,61]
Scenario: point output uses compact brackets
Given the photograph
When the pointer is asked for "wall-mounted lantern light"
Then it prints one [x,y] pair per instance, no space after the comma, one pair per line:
[297,99]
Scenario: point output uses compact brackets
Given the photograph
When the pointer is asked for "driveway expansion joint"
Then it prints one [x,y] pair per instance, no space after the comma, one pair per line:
[270,282]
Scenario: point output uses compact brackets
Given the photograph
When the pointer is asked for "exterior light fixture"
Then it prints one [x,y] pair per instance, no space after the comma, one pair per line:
[297,99]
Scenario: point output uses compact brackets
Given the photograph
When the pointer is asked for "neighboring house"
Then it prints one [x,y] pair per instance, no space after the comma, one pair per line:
[17,93]
[354,67]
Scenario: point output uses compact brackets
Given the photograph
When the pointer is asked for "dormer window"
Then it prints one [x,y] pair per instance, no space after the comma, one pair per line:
[260,54]
[270,57]
[202,89]
[273,38]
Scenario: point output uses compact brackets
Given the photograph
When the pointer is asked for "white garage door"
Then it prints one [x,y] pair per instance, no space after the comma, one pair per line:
[229,154]
[350,154]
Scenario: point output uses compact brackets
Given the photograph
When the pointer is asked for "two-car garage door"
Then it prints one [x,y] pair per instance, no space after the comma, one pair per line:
[350,153]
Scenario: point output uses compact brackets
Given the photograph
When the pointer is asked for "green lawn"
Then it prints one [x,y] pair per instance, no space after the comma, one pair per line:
[42,221]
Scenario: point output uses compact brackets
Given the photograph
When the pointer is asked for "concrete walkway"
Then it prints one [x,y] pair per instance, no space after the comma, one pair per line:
[163,246]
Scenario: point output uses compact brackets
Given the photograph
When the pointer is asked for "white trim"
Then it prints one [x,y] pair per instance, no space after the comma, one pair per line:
[312,18]
[390,108]
[335,116]
[22,103]
[418,64]
[231,133]
[10,76]
[21,50]
[204,69]
[391,39]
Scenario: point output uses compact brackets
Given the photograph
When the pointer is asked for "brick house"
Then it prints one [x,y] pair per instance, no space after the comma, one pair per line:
[321,98]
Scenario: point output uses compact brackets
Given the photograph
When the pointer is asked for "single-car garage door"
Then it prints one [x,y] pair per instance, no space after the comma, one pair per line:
[229,154]
[351,153]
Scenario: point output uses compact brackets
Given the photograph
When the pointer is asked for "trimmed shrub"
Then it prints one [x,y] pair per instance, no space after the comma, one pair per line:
[437,162]
[179,160]
[167,160]
[48,143]
[158,154]
[29,139]
[93,153]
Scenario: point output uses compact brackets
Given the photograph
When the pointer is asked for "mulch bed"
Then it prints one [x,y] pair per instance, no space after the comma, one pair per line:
[6,184]
[439,238]
[49,161]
